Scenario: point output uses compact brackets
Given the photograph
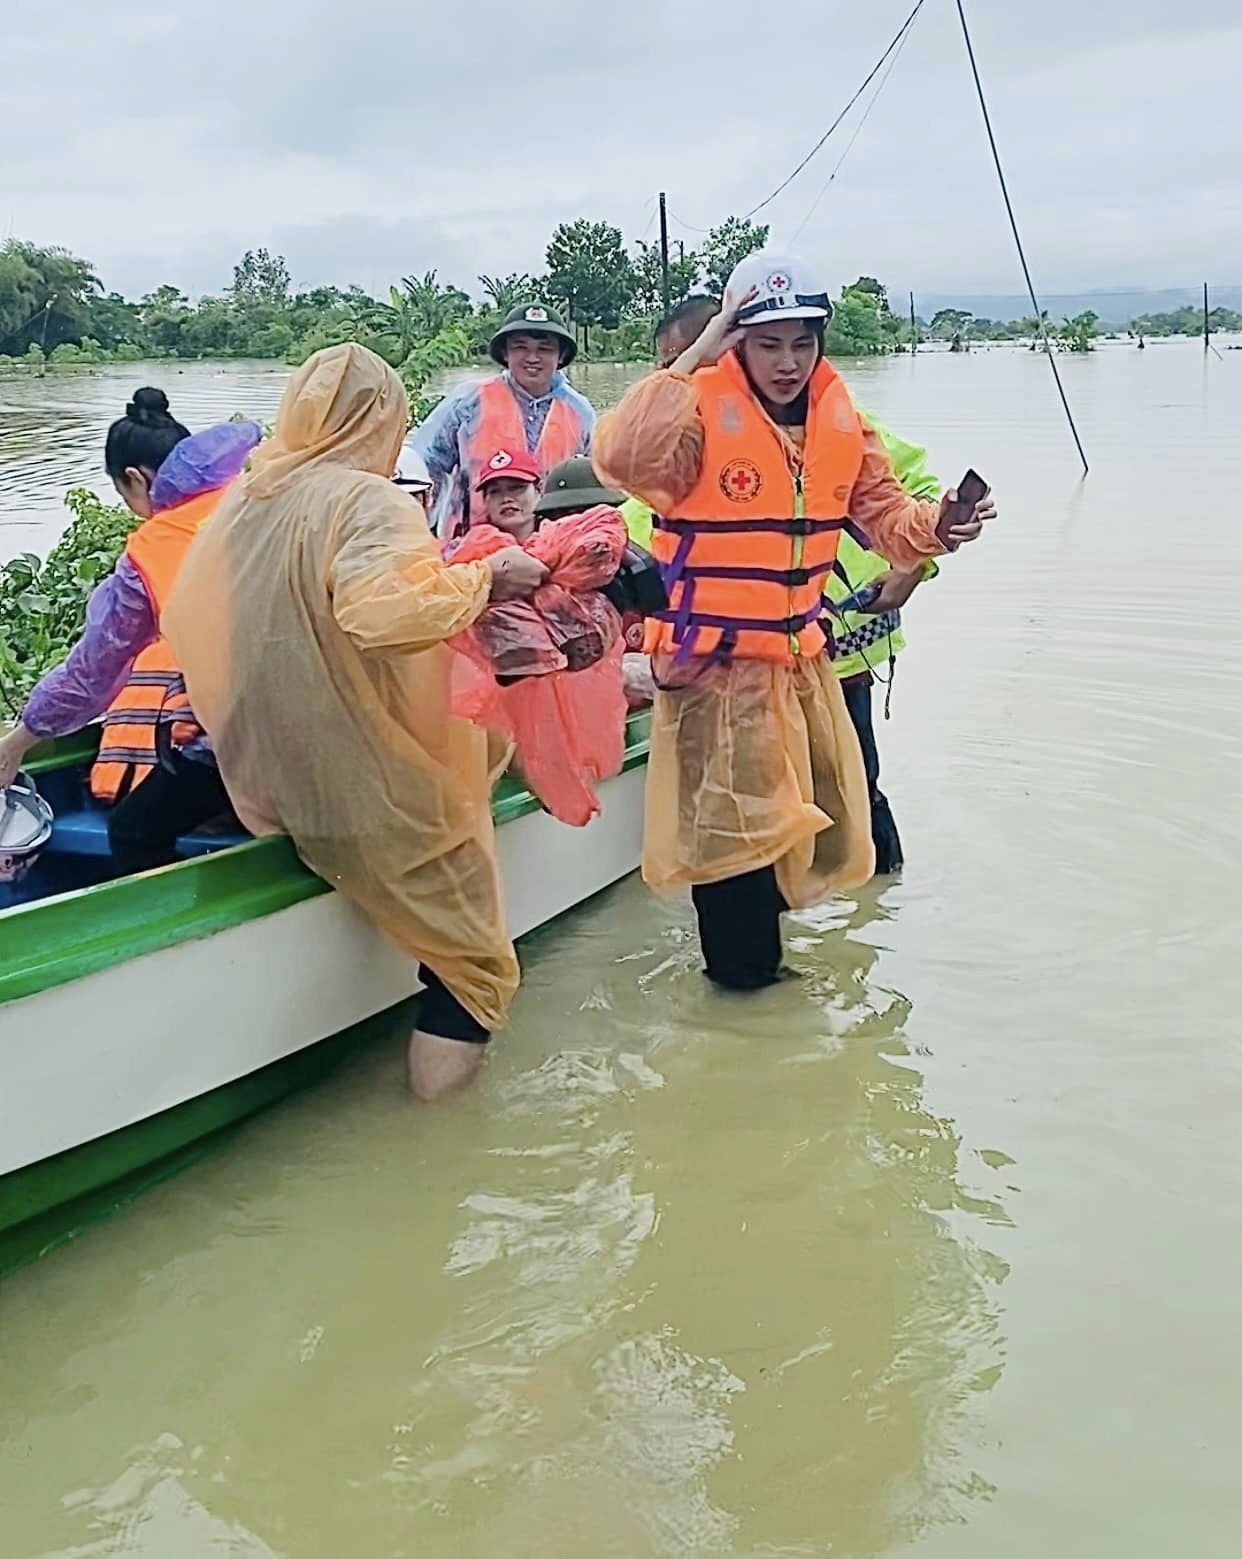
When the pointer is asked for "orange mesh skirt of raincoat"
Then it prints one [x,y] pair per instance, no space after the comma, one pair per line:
[756,764]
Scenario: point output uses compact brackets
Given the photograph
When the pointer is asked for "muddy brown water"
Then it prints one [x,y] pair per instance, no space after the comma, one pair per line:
[932,1252]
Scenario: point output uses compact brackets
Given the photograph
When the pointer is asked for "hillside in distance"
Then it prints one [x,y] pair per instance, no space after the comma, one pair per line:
[1114,307]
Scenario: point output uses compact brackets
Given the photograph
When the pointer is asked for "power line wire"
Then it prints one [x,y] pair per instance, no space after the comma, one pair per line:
[689,226]
[858,129]
[871,75]
[1017,237]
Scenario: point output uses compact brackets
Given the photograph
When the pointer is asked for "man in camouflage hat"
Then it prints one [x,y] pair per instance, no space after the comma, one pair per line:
[531,405]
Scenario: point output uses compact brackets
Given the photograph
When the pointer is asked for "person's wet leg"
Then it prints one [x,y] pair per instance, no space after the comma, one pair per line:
[887,841]
[888,857]
[740,929]
[446,1049]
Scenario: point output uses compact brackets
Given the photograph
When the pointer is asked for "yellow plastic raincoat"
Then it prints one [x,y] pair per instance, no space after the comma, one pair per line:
[753,763]
[310,617]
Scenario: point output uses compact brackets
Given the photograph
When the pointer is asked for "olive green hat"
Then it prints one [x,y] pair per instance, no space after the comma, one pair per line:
[573,486]
[533,319]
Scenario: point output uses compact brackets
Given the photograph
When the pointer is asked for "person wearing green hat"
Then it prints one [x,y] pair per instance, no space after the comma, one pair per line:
[531,405]
[572,487]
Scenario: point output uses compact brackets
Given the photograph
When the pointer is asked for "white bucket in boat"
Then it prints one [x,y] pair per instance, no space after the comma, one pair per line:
[25,827]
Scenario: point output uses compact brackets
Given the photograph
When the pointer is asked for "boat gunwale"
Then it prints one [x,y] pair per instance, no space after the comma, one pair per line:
[53,941]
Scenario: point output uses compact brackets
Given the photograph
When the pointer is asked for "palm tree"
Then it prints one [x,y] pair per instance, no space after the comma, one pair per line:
[416,312]
[435,305]
[1035,325]
[507,292]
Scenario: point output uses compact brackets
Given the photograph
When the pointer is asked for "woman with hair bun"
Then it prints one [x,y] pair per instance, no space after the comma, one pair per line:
[172,480]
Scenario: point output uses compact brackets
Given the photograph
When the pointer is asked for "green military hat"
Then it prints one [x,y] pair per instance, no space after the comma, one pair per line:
[574,486]
[533,319]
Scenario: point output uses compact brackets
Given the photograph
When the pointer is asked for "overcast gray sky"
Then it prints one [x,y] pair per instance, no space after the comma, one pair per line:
[371,139]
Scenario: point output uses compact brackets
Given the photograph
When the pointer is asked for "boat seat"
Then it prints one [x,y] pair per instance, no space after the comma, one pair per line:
[84,831]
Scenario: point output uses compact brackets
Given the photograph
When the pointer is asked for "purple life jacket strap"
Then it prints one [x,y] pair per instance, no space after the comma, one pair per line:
[790,577]
[694,620]
[787,527]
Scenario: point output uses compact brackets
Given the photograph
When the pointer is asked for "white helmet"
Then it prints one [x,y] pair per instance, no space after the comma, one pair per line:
[25,827]
[785,288]
[412,469]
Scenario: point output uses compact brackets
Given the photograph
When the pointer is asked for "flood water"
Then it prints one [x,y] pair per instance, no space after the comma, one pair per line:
[932,1252]
[52,429]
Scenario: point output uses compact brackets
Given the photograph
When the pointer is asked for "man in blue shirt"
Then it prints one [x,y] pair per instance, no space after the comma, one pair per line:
[530,405]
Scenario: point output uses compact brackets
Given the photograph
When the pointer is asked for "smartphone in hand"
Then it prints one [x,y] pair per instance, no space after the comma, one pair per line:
[970,490]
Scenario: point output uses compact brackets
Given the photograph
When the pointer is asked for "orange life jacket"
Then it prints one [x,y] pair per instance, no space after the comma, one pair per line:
[155,692]
[745,554]
[500,426]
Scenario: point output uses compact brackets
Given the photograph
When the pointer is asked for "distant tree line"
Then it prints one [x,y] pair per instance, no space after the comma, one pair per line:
[54,309]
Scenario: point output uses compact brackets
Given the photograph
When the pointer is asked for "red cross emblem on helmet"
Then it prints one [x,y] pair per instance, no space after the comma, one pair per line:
[741,480]
[779,282]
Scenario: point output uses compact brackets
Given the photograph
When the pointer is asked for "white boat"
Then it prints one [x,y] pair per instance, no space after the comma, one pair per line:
[140,1016]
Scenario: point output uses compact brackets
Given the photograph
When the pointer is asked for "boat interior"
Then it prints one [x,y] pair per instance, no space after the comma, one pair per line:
[77,855]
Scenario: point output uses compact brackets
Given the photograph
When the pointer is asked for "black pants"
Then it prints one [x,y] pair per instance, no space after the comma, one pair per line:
[441,1013]
[740,929]
[888,857]
[144,827]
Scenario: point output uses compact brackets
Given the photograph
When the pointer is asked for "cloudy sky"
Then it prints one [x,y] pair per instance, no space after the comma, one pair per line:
[371,139]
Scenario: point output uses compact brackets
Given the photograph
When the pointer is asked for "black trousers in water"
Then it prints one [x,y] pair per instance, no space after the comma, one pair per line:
[440,1012]
[143,828]
[888,857]
[740,929]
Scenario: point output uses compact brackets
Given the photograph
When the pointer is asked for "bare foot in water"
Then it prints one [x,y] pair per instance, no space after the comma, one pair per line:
[440,1066]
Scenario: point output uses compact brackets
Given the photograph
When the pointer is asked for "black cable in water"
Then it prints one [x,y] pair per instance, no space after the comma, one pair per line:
[873,73]
[1017,238]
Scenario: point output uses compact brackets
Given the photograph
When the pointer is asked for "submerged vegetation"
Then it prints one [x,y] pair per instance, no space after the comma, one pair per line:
[43,604]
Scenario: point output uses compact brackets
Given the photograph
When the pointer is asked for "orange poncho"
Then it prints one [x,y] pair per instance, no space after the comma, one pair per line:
[753,763]
[310,618]
[564,708]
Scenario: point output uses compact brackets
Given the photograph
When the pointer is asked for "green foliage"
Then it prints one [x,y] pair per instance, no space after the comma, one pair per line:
[727,246]
[863,323]
[1185,322]
[628,342]
[416,312]
[507,292]
[857,328]
[589,273]
[55,316]
[947,323]
[449,348]
[260,278]
[46,296]
[1078,334]
[683,275]
[43,605]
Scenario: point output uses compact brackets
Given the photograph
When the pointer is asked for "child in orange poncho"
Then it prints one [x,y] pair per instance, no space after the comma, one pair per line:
[547,672]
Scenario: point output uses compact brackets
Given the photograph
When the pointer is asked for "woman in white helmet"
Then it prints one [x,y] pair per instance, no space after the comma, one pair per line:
[751,453]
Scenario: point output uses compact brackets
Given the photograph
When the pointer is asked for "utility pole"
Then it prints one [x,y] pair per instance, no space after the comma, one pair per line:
[914,329]
[664,286]
[1207,321]
[47,314]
